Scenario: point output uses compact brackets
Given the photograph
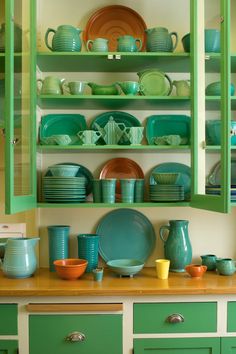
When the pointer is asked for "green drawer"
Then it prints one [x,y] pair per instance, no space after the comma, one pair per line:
[231,316]
[103,334]
[197,317]
[8,315]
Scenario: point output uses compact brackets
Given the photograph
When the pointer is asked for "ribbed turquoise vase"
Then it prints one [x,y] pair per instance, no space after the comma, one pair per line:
[88,249]
[58,242]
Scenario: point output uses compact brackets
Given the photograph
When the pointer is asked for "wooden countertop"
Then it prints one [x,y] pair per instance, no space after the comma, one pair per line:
[44,283]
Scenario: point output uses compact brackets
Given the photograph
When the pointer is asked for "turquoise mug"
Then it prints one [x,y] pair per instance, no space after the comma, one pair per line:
[129,44]
[225,266]
[97,45]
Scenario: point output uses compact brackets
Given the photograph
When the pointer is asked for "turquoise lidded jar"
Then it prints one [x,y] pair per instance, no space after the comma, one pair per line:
[177,246]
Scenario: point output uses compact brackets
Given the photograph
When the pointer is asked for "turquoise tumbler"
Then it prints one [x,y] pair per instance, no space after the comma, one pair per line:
[58,242]
[88,249]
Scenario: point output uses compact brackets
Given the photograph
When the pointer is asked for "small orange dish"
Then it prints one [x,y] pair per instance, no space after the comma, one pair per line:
[70,268]
[196,270]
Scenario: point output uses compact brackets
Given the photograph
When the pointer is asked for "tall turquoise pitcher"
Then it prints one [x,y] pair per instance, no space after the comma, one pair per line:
[160,40]
[65,39]
[19,257]
[177,246]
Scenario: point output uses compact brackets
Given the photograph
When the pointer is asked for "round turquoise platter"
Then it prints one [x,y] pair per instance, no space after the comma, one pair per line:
[119,117]
[184,175]
[82,172]
[125,234]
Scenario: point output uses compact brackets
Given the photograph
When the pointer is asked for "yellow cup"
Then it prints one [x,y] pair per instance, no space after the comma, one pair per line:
[162,268]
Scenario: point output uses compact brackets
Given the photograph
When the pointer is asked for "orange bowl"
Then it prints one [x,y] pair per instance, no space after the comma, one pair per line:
[70,268]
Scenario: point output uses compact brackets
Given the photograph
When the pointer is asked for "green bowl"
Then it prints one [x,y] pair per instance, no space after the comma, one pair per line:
[64,170]
[165,178]
[125,267]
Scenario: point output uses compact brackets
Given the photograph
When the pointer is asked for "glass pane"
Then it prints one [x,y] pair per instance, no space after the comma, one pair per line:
[2,58]
[22,126]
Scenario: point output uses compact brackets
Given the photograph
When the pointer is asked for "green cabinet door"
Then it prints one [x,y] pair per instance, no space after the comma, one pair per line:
[8,347]
[8,323]
[202,64]
[20,98]
[177,345]
[228,345]
[92,334]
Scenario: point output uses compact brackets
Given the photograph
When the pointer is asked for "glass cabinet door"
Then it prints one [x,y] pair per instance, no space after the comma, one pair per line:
[20,90]
[211,165]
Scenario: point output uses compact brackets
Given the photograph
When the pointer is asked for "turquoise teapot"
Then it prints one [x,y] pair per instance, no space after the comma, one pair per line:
[112,131]
[66,39]
[160,40]
[19,257]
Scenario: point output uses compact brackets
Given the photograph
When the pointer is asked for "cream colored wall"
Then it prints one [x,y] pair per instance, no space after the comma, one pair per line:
[209,232]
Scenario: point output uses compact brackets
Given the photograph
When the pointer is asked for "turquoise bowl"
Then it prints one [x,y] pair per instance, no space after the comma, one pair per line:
[214,89]
[213,134]
[212,41]
[64,170]
[125,267]
[165,177]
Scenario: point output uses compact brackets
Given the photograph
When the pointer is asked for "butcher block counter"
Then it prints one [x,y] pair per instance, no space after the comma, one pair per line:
[45,283]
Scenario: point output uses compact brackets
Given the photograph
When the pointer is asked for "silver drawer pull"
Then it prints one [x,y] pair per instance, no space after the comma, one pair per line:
[75,337]
[175,318]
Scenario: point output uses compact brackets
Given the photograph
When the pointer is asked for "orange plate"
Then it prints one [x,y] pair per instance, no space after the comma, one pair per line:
[113,21]
[121,167]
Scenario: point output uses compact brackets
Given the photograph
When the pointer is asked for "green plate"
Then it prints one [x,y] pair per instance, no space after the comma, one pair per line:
[154,83]
[167,124]
[56,124]
[120,117]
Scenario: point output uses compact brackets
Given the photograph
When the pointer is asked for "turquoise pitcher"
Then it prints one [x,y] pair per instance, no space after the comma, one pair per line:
[177,246]
[129,44]
[19,257]
[66,39]
[160,40]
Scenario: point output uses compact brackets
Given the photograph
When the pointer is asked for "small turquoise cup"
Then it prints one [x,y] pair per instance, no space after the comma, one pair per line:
[109,190]
[225,266]
[127,190]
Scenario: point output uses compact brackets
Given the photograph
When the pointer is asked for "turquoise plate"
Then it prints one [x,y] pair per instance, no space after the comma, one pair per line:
[167,124]
[183,179]
[125,233]
[214,177]
[55,124]
[120,117]
[83,172]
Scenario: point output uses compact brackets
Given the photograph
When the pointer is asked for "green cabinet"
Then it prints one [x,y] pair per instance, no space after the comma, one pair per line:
[228,345]
[8,347]
[177,345]
[84,334]
[8,315]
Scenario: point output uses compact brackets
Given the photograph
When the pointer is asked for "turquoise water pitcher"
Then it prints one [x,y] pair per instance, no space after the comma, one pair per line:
[65,39]
[19,257]
[160,40]
[177,246]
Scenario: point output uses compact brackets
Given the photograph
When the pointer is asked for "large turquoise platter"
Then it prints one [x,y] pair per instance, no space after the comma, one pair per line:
[125,234]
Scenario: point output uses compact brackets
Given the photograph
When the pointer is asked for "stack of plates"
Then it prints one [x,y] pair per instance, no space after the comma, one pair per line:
[216,190]
[166,193]
[64,189]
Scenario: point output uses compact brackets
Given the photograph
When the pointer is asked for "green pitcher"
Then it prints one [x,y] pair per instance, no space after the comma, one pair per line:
[65,39]
[177,246]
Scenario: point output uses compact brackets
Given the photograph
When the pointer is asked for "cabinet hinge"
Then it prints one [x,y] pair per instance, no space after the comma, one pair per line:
[222,19]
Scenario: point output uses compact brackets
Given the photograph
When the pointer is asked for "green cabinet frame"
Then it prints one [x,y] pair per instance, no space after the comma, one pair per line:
[228,345]
[24,104]
[8,347]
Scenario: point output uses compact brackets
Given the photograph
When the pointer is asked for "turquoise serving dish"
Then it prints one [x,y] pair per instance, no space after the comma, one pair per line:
[168,124]
[125,234]
[119,117]
[125,267]
[61,124]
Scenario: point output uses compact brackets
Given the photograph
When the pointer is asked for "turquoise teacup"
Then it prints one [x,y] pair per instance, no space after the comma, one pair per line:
[89,137]
[75,87]
[209,260]
[225,266]
[129,87]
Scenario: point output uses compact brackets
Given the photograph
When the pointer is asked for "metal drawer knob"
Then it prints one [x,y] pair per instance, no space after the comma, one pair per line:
[175,318]
[75,337]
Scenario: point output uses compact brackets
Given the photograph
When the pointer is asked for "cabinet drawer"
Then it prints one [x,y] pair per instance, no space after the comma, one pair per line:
[231,316]
[102,334]
[8,315]
[189,317]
